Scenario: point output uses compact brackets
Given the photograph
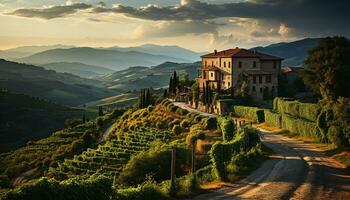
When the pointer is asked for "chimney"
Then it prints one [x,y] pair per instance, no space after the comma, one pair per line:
[215,51]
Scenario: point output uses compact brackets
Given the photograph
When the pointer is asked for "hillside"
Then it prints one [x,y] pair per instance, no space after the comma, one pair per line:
[24,118]
[172,51]
[112,59]
[20,52]
[293,53]
[58,87]
[79,69]
[135,78]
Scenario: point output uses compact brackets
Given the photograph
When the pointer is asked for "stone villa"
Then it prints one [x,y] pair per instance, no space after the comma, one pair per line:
[226,69]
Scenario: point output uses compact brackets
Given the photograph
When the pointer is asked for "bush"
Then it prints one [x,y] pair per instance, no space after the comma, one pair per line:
[252,113]
[177,129]
[222,152]
[300,126]
[336,137]
[181,111]
[211,123]
[272,118]
[147,190]
[308,111]
[154,162]
[184,124]
[227,128]
[192,138]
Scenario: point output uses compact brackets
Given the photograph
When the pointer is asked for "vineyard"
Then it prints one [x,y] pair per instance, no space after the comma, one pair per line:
[109,159]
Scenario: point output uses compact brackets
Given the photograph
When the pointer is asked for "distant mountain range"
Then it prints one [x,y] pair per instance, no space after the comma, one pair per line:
[79,69]
[58,87]
[113,59]
[294,53]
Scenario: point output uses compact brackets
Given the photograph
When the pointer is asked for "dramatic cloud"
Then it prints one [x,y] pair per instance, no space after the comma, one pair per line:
[52,12]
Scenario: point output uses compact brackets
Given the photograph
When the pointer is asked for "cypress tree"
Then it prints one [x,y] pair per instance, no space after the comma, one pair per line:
[171,85]
[148,99]
[165,94]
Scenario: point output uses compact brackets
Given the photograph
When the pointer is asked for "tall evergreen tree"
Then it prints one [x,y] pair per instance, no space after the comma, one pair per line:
[165,94]
[148,99]
[171,85]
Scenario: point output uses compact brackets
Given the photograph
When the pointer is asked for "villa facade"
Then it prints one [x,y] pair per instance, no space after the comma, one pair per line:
[227,69]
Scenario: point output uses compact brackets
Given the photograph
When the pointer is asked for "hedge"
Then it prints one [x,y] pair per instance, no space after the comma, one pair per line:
[308,111]
[253,113]
[300,126]
[227,128]
[272,118]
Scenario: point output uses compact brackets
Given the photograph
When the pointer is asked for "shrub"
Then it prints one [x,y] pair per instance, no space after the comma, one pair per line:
[253,113]
[184,123]
[227,128]
[210,123]
[300,126]
[181,111]
[177,129]
[272,118]
[308,111]
[147,190]
[154,162]
[222,152]
[192,138]
[336,137]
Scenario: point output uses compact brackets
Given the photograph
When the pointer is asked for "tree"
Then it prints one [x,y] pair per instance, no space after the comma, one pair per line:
[285,89]
[171,85]
[165,93]
[100,111]
[327,69]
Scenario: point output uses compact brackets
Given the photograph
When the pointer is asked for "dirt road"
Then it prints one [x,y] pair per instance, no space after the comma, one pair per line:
[296,171]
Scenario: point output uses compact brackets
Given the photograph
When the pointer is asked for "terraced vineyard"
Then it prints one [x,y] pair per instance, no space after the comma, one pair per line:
[110,158]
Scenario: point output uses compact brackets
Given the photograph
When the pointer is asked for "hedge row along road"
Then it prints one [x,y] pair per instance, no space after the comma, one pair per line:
[296,170]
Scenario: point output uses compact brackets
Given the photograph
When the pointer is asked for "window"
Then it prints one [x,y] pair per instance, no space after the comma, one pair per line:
[228,84]
[268,78]
[239,64]
[204,75]
[261,90]
[274,64]
[253,88]
[260,79]
[224,64]
[211,74]
[229,64]
[254,64]
[254,79]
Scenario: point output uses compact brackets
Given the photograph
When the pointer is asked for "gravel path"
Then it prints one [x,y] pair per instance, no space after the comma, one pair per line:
[296,170]
[192,110]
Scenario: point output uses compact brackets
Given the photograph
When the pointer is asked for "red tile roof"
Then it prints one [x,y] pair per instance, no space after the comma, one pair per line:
[290,69]
[242,53]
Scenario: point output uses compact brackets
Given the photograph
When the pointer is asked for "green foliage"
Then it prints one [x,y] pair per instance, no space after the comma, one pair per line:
[300,126]
[308,111]
[336,137]
[253,113]
[222,152]
[327,68]
[193,137]
[177,129]
[98,188]
[285,89]
[227,128]
[184,123]
[154,162]
[70,123]
[147,190]
[273,118]
[210,123]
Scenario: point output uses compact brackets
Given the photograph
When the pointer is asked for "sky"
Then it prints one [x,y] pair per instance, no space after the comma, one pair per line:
[199,25]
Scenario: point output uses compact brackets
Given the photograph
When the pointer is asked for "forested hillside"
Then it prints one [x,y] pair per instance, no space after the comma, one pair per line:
[58,87]
[24,118]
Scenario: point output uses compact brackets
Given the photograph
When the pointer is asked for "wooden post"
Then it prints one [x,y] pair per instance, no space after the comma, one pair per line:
[193,168]
[172,175]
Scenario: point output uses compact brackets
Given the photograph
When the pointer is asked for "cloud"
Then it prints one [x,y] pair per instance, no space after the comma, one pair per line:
[51,12]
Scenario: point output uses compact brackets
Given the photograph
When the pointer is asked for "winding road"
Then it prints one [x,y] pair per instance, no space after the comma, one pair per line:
[296,170]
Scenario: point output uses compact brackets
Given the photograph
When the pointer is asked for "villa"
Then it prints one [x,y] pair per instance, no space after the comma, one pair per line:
[227,69]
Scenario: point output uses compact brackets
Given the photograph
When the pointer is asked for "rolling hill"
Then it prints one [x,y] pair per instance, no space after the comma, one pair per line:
[293,53]
[79,69]
[113,59]
[24,118]
[135,78]
[20,52]
[58,87]
[171,51]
